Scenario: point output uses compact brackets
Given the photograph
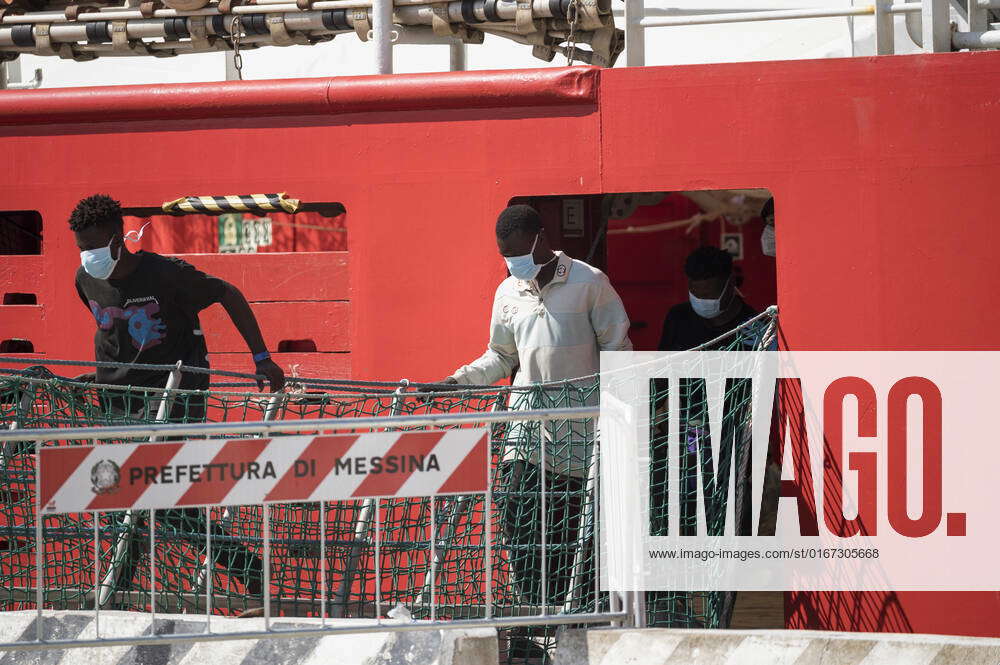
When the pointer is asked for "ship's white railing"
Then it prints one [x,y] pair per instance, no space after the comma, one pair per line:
[622,611]
[928,23]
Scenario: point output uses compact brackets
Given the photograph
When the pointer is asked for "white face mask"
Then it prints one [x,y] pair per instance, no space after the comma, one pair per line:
[523,267]
[99,263]
[708,308]
[767,240]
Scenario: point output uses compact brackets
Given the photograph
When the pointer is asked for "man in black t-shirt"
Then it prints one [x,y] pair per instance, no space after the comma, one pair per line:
[146,309]
[146,306]
[714,306]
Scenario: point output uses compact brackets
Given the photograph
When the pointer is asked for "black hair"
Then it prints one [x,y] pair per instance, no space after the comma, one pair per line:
[768,209]
[518,218]
[96,210]
[708,262]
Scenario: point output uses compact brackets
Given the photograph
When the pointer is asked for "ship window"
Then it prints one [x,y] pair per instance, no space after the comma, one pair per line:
[20,299]
[296,346]
[16,345]
[317,227]
[20,232]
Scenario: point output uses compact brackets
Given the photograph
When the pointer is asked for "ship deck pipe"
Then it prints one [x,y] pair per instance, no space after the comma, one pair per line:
[506,9]
[976,40]
[301,21]
[310,22]
[748,17]
[419,34]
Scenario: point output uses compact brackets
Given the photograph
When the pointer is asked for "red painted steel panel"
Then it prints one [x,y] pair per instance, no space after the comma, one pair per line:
[325,323]
[884,173]
[280,277]
[24,322]
[21,274]
[424,261]
[316,96]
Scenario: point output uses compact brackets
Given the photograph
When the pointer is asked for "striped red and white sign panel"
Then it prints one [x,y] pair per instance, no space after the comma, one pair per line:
[252,471]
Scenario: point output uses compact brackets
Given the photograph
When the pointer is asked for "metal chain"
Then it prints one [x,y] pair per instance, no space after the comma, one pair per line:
[573,14]
[235,32]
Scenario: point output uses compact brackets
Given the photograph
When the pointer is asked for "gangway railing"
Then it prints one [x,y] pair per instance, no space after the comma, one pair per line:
[406,546]
[60,485]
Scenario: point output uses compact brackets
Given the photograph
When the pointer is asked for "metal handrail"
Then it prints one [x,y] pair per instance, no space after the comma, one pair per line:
[157,432]
[286,426]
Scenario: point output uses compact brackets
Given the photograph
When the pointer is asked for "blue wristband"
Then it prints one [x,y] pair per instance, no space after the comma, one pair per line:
[261,357]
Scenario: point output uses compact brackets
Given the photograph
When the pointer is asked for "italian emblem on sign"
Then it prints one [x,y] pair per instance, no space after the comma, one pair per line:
[105,476]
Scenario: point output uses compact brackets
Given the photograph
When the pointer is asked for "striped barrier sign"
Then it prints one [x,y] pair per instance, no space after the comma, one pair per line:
[253,471]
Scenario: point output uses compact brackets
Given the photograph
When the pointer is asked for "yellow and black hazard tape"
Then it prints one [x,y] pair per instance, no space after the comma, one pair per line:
[215,205]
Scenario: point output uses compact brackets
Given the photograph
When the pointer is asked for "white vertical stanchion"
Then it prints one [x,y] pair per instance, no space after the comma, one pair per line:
[433,557]
[639,609]
[97,573]
[378,563]
[39,543]
[322,562]
[381,34]
[885,38]
[935,19]
[597,523]
[635,34]
[152,567]
[544,506]
[488,527]
[208,569]
[266,591]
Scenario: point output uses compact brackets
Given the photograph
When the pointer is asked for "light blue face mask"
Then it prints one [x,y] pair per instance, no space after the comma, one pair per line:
[767,245]
[99,263]
[523,267]
[708,308]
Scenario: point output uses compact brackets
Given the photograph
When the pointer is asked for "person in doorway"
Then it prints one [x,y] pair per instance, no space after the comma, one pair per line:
[146,309]
[551,319]
[767,243]
[714,308]
[714,305]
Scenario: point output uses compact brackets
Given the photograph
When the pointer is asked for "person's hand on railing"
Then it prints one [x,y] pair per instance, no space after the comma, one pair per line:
[440,386]
[86,377]
[275,375]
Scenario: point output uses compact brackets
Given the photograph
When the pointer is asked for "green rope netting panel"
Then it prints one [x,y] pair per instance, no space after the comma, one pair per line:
[397,531]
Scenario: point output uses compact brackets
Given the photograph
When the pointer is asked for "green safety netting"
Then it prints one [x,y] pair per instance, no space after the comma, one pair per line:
[345,553]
